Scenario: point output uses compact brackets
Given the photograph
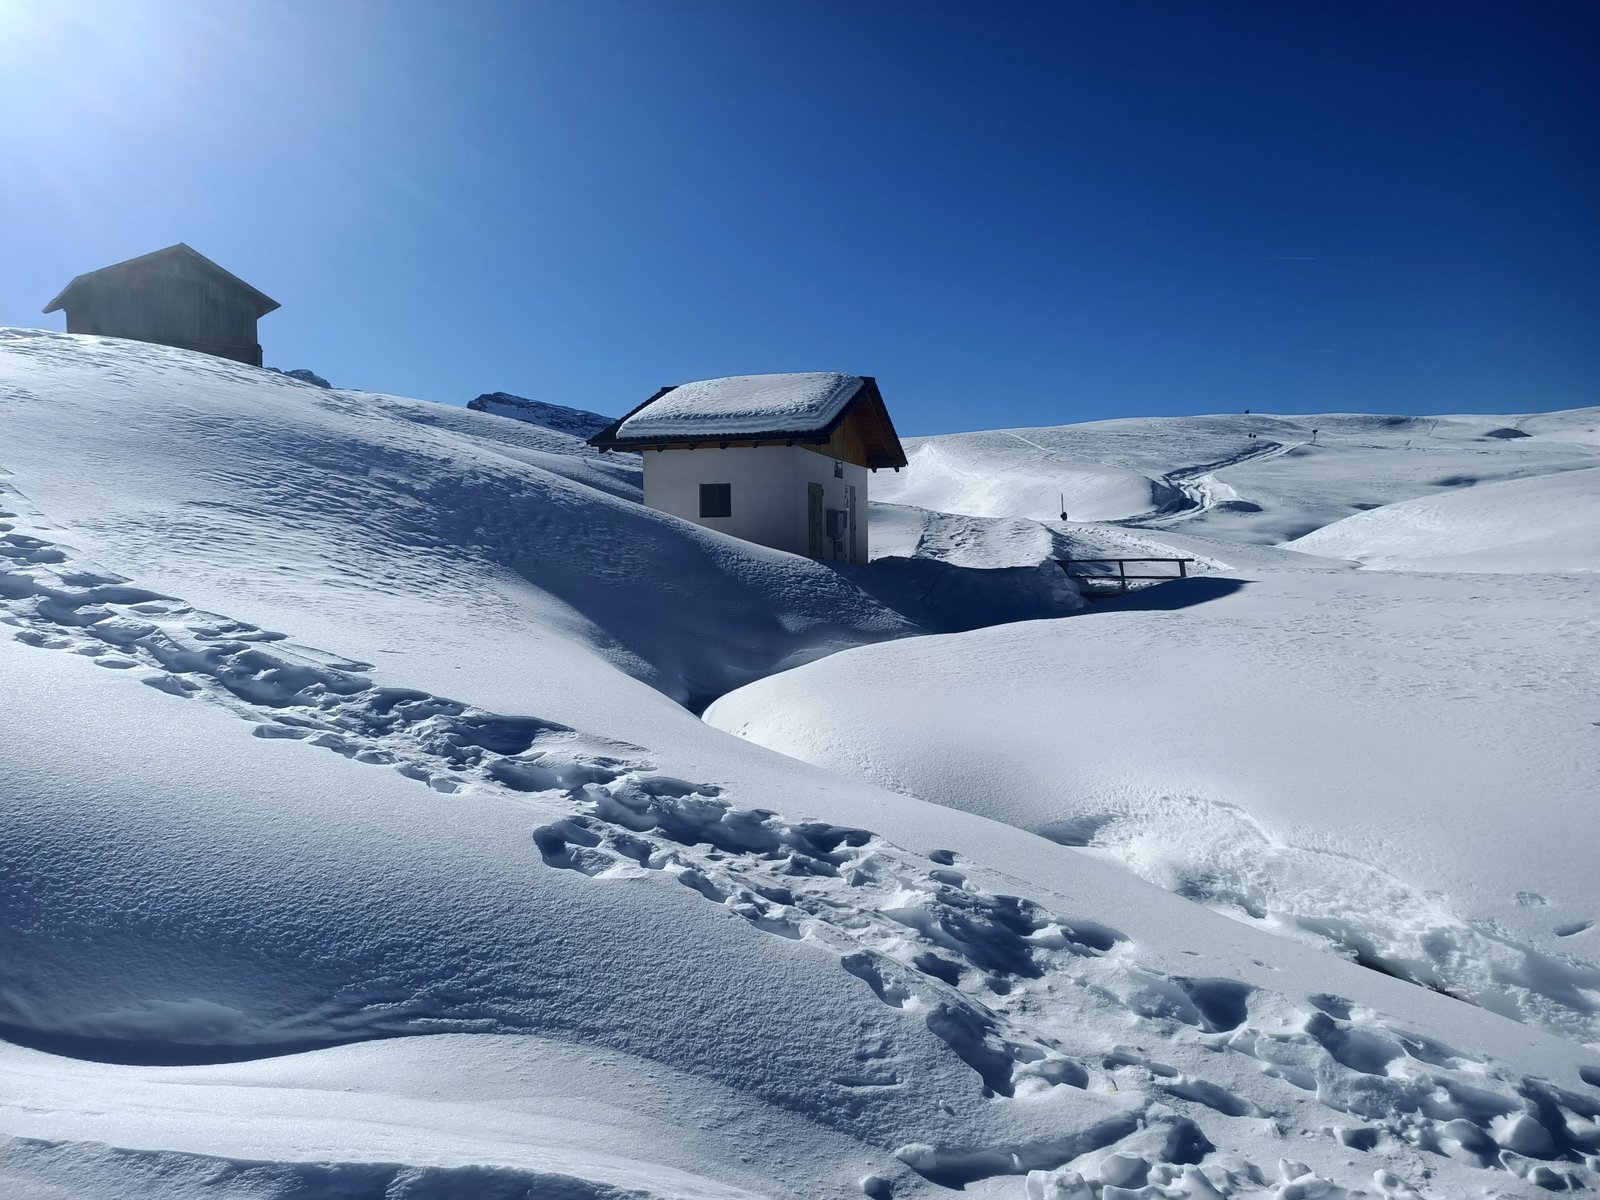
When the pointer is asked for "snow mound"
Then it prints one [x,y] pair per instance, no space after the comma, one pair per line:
[744,404]
[1547,523]
[575,421]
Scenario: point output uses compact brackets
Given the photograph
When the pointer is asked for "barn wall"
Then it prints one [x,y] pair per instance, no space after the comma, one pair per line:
[172,302]
[769,489]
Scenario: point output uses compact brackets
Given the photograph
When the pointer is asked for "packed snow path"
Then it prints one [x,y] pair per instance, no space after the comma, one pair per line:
[1201,490]
[1003,981]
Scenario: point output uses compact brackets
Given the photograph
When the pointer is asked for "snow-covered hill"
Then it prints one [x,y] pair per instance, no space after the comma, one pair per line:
[357,842]
[1241,479]
[1533,525]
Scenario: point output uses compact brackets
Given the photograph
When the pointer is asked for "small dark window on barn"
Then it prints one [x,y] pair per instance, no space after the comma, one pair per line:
[716,500]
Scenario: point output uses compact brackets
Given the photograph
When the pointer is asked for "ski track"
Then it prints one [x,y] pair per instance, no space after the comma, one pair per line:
[1201,487]
[1026,441]
[1003,981]
[1198,485]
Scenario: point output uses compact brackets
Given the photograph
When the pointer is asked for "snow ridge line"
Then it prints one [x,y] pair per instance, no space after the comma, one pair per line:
[985,972]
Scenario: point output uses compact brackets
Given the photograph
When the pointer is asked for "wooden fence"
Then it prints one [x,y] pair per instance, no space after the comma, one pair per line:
[1121,579]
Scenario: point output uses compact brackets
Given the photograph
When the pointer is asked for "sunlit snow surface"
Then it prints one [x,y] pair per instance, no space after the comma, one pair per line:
[356,843]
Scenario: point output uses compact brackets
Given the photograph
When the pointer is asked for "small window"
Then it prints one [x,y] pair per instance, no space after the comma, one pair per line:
[716,500]
[838,469]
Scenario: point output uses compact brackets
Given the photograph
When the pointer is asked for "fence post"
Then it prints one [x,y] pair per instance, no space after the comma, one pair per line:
[1122,572]
[1183,568]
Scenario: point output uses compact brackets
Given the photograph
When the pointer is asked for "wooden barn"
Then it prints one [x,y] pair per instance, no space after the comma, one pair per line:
[174,297]
[777,459]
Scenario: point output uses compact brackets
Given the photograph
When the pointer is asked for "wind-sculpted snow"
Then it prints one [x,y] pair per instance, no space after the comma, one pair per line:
[1032,1003]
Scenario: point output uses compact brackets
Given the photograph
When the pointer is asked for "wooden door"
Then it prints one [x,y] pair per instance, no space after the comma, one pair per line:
[814,535]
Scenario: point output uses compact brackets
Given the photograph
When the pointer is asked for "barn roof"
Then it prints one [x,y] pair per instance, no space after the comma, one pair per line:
[264,303]
[803,407]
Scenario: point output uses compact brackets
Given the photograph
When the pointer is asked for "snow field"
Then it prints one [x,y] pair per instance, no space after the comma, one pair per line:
[979,971]
[1394,769]
[468,903]
[1524,669]
[1341,786]
[1246,478]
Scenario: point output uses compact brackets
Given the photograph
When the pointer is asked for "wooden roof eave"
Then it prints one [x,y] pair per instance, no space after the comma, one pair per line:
[890,451]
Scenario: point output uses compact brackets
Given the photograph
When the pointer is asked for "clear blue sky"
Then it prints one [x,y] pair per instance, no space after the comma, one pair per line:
[1011,214]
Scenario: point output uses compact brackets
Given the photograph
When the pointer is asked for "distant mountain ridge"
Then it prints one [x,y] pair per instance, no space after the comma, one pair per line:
[304,375]
[536,412]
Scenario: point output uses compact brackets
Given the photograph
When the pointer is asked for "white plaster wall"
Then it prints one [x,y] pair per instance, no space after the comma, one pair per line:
[769,486]
[814,468]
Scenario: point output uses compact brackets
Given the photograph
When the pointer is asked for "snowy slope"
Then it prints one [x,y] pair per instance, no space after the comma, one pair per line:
[333,512]
[811,1021]
[1216,479]
[1327,754]
[354,842]
[1546,523]
[1394,764]
[1396,768]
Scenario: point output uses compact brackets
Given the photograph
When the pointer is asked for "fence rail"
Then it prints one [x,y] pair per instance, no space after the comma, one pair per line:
[1121,579]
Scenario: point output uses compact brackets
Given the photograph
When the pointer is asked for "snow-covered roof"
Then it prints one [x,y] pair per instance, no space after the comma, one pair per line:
[809,408]
[802,402]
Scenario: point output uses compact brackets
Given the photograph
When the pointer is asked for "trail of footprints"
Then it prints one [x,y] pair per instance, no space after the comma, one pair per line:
[988,974]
